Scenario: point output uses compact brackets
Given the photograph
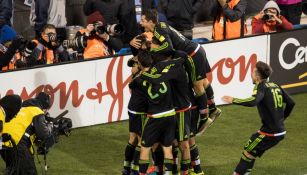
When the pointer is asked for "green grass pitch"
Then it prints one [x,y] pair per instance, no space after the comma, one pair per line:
[99,150]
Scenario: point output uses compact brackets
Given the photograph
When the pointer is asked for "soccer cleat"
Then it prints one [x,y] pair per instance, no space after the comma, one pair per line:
[126,172]
[215,114]
[203,125]
[134,173]
[193,173]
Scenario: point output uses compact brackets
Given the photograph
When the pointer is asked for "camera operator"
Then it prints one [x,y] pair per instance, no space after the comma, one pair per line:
[270,20]
[29,124]
[99,42]
[48,49]
[9,107]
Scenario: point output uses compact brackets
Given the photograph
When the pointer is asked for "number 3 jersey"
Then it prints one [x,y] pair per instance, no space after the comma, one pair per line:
[159,97]
[269,98]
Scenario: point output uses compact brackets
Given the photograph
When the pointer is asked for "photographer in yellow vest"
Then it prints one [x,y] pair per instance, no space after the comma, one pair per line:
[9,106]
[29,124]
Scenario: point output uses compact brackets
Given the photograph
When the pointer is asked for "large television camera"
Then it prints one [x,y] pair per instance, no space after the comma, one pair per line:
[61,126]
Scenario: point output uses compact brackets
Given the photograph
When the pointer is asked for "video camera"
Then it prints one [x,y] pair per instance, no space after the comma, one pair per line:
[112,29]
[61,126]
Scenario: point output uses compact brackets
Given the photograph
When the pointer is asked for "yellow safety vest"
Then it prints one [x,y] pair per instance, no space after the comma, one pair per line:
[17,126]
[2,117]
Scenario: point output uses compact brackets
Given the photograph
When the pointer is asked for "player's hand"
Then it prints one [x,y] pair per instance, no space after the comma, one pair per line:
[136,43]
[227,99]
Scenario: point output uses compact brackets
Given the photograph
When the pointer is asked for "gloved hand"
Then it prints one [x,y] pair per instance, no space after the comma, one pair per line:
[29,48]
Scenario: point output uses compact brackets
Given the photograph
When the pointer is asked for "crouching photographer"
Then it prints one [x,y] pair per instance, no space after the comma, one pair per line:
[270,20]
[30,124]
[101,38]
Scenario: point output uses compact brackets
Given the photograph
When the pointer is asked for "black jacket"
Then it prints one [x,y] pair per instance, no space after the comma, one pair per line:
[112,10]
[6,7]
[41,12]
[6,57]
[179,13]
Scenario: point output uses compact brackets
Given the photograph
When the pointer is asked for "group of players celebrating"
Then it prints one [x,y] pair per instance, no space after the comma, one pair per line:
[172,102]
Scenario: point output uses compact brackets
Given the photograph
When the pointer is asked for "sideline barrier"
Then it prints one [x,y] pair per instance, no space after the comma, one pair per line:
[96,91]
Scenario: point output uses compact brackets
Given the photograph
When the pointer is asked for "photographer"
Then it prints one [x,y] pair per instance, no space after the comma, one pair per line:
[9,107]
[270,20]
[8,47]
[48,49]
[99,42]
[30,123]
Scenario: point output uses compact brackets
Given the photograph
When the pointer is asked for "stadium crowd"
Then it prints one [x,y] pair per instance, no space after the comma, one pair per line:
[172,100]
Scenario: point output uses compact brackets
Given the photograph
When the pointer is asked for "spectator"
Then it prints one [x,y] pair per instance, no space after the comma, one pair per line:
[6,11]
[180,13]
[74,13]
[48,50]
[291,10]
[133,16]
[48,12]
[270,20]
[99,42]
[22,26]
[228,19]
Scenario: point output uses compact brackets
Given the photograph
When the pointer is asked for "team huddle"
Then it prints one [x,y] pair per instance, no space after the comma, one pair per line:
[172,101]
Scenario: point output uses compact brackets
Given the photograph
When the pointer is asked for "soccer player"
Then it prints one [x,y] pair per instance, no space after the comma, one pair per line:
[159,126]
[171,39]
[137,107]
[269,98]
[172,70]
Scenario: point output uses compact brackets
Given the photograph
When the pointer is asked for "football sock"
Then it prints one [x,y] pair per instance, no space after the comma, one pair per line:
[175,151]
[143,166]
[136,157]
[195,160]
[184,166]
[245,165]
[168,163]
[129,151]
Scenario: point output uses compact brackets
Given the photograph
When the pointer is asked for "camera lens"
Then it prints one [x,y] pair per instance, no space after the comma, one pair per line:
[266,17]
[52,37]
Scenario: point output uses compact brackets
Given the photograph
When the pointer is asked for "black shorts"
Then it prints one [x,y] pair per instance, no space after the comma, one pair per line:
[136,123]
[160,130]
[183,124]
[201,64]
[194,121]
[258,144]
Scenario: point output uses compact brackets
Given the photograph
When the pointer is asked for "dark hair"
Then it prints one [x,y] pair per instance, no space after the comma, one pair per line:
[48,26]
[151,14]
[145,59]
[11,104]
[44,100]
[263,69]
